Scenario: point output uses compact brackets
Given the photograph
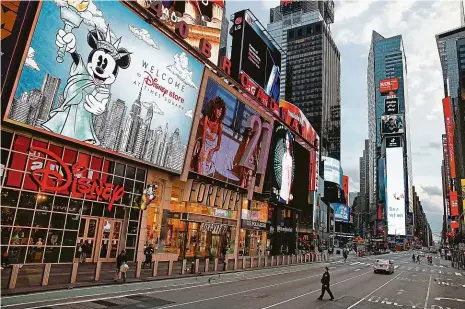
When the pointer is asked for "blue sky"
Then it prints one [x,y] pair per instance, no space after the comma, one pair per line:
[418,22]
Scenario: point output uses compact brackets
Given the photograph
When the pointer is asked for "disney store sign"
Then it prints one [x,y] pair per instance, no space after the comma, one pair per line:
[63,177]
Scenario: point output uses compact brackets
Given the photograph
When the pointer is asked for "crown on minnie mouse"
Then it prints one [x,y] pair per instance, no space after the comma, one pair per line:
[109,44]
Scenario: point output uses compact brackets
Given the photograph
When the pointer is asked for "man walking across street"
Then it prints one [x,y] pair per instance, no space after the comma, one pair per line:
[325,285]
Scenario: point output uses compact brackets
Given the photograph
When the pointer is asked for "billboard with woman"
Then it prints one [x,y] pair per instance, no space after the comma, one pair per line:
[231,143]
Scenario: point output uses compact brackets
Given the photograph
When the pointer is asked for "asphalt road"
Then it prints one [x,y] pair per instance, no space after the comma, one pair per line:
[353,283]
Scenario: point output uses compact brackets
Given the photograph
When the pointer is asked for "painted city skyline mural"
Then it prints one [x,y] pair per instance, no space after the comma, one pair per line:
[97,73]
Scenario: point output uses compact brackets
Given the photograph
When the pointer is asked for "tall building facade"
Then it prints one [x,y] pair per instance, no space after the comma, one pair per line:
[451,48]
[362,207]
[310,66]
[386,61]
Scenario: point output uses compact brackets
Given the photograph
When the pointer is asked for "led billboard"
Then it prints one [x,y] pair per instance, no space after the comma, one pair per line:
[387,85]
[254,55]
[395,191]
[341,212]
[203,17]
[110,80]
[232,139]
[332,170]
[391,106]
[392,124]
[393,141]
[288,166]
[449,124]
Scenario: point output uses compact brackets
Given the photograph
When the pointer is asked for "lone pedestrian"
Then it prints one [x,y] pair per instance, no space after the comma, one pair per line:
[344,253]
[83,251]
[148,251]
[413,258]
[418,259]
[325,284]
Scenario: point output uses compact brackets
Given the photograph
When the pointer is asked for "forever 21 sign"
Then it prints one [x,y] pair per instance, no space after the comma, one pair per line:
[211,195]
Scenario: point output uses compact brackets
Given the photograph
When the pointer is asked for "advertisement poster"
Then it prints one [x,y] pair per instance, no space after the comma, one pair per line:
[288,165]
[393,141]
[294,117]
[341,212]
[332,170]
[17,19]
[230,138]
[454,204]
[391,106]
[392,124]
[395,193]
[97,73]
[387,85]
[256,217]
[449,123]
[204,18]
[255,55]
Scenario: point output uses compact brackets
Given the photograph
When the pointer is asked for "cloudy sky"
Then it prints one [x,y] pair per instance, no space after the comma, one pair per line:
[418,22]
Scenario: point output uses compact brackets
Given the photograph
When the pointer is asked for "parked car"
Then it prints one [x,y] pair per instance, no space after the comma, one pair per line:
[386,266]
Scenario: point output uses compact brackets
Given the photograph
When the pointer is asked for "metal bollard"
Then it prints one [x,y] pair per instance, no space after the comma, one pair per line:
[98,269]
[216,264]
[138,269]
[46,274]
[74,273]
[184,265]
[155,268]
[13,276]
[170,268]
[207,263]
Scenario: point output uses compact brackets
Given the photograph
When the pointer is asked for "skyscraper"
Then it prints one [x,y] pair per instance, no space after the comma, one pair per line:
[451,47]
[131,129]
[310,66]
[114,128]
[26,109]
[50,87]
[386,63]
[175,152]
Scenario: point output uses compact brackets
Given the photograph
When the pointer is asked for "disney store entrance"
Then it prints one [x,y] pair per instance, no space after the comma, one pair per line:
[101,239]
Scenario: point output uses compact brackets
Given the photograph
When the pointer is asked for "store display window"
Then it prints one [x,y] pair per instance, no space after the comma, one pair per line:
[40,225]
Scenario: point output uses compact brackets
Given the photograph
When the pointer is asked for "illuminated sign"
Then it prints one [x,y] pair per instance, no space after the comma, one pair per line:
[211,195]
[395,191]
[74,178]
[449,123]
[387,85]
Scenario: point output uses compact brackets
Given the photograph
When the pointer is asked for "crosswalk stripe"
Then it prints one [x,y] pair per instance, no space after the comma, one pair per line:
[358,269]
[458,274]
[423,270]
[354,263]
[395,267]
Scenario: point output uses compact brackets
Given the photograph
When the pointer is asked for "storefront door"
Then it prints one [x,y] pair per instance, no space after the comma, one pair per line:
[87,234]
[109,240]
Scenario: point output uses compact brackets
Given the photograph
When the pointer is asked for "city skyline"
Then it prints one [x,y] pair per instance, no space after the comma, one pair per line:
[119,131]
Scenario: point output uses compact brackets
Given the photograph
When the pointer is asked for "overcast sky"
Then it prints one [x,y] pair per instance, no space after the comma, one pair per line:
[418,22]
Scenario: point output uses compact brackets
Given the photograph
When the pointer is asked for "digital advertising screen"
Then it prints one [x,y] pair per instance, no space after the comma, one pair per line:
[395,191]
[232,139]
[97,73]
[332,170]
[387,85]
[204,18]
[253,54]
[391,106]
[393,141]
[341,212]
[392,124]
[288,165]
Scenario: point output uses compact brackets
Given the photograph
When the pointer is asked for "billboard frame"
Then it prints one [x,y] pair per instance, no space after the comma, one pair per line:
[154,23]
[196,122]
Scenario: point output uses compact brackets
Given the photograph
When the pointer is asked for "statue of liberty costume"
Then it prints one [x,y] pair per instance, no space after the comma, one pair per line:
[71,118]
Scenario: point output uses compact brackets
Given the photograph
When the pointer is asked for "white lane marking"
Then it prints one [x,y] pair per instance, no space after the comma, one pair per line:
[260,274]
[146,292]
[358,269]
[374,291]
[456,299]
[305,294]
[395,267]
[427,293]
[458,274]
[354,263]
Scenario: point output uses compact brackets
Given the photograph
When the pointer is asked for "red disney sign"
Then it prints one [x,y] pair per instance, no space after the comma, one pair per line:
[94,188]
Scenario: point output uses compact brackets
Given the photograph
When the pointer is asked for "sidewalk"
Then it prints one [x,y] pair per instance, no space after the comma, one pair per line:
[30,276]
